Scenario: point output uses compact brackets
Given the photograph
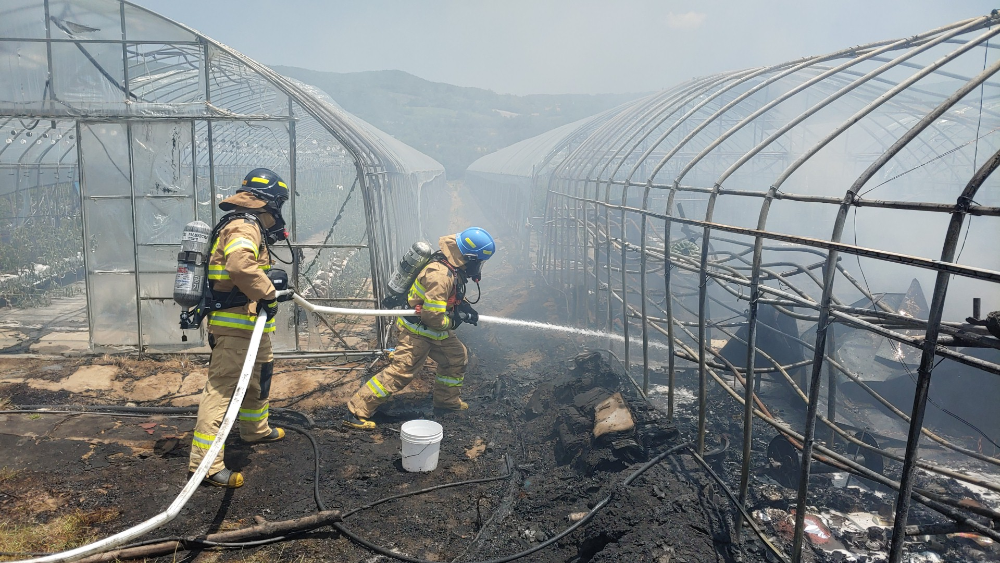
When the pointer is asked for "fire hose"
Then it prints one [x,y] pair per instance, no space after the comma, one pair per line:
[186,493]
[228,420]
[124,537]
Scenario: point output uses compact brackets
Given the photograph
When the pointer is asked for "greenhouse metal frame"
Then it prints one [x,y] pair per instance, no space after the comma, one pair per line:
[646,221]
[148,124]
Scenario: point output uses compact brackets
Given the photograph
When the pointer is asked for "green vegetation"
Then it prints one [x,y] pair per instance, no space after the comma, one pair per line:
[41,236]
[65,531]
[455,125]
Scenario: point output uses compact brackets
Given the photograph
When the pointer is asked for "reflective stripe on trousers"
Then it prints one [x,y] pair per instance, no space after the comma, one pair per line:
[449,381]
[203,441]
[377,388]
[254,415]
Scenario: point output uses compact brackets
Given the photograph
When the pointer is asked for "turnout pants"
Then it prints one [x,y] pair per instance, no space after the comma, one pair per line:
[411,353]
[228,356]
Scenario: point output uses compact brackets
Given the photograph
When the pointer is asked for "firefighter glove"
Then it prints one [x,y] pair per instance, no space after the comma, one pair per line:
[268,307]
[467,313]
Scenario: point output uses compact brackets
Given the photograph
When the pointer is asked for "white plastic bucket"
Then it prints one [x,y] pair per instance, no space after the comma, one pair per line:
[421,444]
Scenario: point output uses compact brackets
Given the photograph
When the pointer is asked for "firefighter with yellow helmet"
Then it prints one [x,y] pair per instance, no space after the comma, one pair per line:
[242,285]
[438,295]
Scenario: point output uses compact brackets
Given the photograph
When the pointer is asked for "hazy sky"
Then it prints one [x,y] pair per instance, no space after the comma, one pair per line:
[540,46]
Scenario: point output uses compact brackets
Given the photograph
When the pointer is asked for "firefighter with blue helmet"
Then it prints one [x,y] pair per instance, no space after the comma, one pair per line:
[438,296]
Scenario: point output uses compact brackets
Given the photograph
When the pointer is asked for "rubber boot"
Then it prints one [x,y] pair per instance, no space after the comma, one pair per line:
[356,422]
[226,478]
[275,435]
[461,406]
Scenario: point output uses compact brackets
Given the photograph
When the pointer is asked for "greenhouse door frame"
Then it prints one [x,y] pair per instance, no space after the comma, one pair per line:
[107,312]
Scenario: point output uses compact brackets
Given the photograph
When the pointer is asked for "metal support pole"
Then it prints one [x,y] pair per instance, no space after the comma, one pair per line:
[292,187]
[623,230]
[831,391]
[194,170]
[206,75]
[135,234]
[609,322]
[51,86]
[578,273]
[642,291]
[125,81]
[86,234]
[750,383]
[927,358]
[704,336]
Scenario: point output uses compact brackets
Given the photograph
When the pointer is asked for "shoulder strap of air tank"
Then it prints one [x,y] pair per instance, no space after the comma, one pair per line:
[232,298]
[459,274]
[439,257]
[230,217]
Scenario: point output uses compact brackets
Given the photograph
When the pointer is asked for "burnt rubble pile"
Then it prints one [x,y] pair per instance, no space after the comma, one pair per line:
[599,421]
[584,431]
[850,519]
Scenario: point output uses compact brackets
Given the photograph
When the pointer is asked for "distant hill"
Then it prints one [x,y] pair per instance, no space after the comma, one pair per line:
[453,124]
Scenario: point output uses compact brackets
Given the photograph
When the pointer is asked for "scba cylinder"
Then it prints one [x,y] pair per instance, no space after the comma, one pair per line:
[189,282]
[406,271]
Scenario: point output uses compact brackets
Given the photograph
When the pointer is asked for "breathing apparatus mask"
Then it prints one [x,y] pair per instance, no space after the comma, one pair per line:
[268,187]
[265,185]
[276,232]
[473,267]
[476,246]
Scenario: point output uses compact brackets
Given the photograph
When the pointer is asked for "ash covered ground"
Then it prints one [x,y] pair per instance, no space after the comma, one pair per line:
[65,479]
[532,403]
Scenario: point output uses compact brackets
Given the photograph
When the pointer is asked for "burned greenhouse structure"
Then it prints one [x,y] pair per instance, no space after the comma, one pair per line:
[119,126]
[811,244]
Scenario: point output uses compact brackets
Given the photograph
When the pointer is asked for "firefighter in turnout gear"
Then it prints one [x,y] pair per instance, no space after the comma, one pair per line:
[438,296]
[242,285]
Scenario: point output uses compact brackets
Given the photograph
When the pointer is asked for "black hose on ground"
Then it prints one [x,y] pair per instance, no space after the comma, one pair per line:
[593,512]
[134,411]
[119,410]
[109,409]
[746,515]
[93,413]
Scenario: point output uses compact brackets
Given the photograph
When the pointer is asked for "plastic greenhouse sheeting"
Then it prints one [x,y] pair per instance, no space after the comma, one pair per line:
[119,126]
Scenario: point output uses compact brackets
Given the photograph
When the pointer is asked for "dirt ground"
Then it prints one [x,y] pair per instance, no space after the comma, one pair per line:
[525,394]
[68,479]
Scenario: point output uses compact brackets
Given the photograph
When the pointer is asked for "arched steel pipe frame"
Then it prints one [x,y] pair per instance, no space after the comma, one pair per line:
[585,240]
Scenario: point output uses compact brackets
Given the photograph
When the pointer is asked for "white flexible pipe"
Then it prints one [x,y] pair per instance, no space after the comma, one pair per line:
[174,509]
[358,312]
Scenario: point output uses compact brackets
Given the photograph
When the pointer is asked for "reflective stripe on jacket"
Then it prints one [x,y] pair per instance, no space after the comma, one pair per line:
[434,291]
[239,260]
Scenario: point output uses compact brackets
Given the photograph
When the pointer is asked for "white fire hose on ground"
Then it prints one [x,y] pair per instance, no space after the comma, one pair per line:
[175,507]
[228,420]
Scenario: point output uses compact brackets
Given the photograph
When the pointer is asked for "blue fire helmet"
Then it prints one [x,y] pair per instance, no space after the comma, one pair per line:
[476,242]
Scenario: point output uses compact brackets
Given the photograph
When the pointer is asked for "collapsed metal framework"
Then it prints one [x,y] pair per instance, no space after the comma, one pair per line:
[143,125]
[647,224]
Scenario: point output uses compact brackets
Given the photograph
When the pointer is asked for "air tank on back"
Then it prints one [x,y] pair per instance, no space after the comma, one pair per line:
[406,272]
[189,282]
